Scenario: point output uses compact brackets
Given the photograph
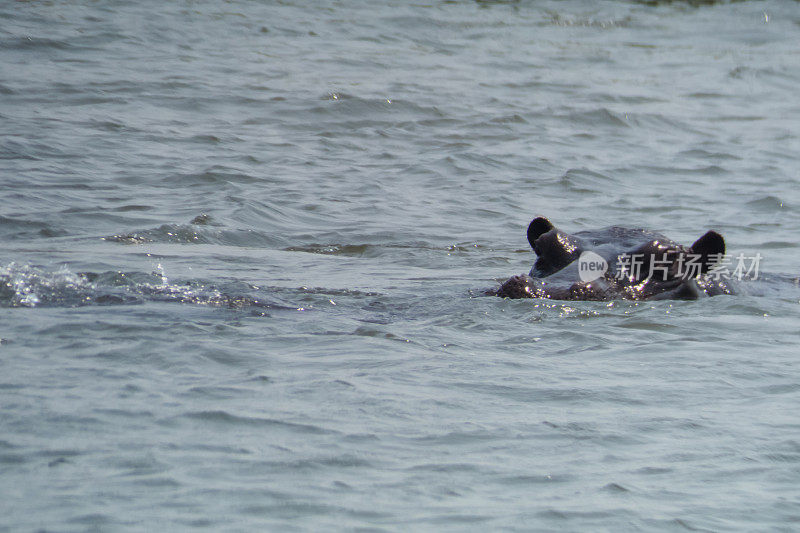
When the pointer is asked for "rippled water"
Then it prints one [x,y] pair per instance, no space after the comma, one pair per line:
[245,245]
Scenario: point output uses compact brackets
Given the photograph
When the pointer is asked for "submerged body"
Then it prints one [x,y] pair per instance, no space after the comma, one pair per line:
[617,263]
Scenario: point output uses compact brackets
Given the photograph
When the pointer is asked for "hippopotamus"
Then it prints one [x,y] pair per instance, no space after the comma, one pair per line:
[617,263]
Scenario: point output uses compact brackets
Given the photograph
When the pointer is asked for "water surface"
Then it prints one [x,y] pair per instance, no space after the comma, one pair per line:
[243,248]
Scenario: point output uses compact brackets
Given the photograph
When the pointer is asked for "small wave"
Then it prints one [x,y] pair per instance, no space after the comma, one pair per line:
[585,180]
[557,19]
[615,488]
[698,153]
[223,417]
[111,125]
[201,230]
[213,175]
[595,118]
[172,233]
[10,149]
[35,150]
[767,204]
[698,171]
[692,3]
[347,250]
[12,228]
[768,73]
[32,43]
[345,112]
[377,250]
[652,122]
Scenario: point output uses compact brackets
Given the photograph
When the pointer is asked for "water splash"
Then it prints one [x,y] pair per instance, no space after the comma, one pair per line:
[24,285]
[29,286]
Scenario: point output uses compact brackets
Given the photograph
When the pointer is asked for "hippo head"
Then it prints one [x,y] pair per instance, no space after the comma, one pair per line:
[638,264]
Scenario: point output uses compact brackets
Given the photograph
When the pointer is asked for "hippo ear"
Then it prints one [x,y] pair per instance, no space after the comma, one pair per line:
[538,227]
[711,248]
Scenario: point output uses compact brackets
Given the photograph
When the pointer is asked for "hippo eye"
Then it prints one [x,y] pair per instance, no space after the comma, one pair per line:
[566,245]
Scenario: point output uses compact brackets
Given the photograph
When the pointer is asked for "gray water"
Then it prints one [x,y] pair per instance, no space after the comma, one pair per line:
[244,245]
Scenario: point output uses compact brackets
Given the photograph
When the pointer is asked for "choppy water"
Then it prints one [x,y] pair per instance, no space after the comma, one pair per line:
[243,247]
